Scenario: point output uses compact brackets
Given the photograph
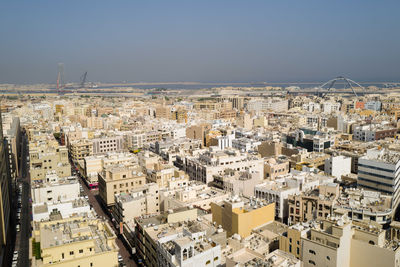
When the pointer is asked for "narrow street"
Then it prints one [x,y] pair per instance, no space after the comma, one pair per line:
[94,201]
[22,238]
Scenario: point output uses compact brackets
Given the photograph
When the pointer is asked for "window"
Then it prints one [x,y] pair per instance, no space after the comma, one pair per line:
[115,186]
[71,253]
[81,251]
[62,255]
[208,262]
[91,264]
[290,248]
[298,250]
[216,258]
[371,242]
[312,252]
[311,262]
[328,258]
[90,249]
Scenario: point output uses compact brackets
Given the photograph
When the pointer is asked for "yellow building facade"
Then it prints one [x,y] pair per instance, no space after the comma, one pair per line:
[238,217]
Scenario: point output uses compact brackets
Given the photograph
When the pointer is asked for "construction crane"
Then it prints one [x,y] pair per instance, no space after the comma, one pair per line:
[83,80]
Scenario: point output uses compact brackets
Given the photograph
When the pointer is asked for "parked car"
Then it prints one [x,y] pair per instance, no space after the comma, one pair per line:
[18,228]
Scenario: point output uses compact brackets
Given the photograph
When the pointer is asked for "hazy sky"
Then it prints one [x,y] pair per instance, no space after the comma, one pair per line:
[214,41]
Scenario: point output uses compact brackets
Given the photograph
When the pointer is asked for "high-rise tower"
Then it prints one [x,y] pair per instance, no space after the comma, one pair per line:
[5,196]
[60,76]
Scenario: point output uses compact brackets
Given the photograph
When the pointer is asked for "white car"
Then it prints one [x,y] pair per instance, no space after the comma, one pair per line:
[15,256]
[18,228]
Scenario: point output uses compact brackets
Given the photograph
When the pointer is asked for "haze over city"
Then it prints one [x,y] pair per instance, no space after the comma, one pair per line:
[202,41]
[218,133]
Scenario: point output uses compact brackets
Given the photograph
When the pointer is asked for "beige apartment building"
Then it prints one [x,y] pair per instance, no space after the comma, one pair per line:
[80,149]
[48,157]
[162,174]
[338,242]
[75,241]
[275,167]
[92,165]
[115,180]
[213,162]
[139,201]
[315,204]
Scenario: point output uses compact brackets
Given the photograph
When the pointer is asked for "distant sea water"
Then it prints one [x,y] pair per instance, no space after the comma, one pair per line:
[180,86]
[191,86]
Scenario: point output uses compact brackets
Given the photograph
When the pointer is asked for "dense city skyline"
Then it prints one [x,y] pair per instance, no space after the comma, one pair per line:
[224,41]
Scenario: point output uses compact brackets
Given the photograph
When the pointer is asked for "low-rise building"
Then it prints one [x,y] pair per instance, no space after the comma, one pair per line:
[137,202]
[214,161]
[75,241]
[340,242]
[80,149]
[315,204]
[55,189]
[92,165]
[241,183]
[337,166]
[107,144]
[193,195]
[241,216]
[116,179]
[365,206]
[48,157]
[275,167]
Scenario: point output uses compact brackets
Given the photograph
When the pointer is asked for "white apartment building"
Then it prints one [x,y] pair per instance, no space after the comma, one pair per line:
[311,107]
[379,170]
[43,211]
[337,166]
[293,183]
[55,189]
[270,104]
[329,107]
[245,144]
[188,249]
[225,141]
[214,161]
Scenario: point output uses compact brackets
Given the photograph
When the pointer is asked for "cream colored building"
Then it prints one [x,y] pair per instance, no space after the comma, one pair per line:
[47,157]
[162,174]
[315,204]
[275,167]
[339,242]
[75,241]
[92,165]
[80,149]
[205,166]
[140,201]
[194,194]
[115,180]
